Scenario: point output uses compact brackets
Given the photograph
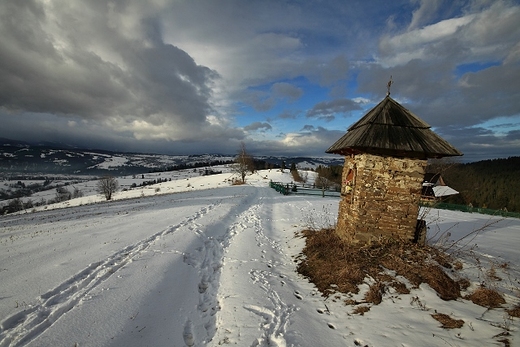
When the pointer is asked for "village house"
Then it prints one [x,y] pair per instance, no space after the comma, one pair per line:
[434,188]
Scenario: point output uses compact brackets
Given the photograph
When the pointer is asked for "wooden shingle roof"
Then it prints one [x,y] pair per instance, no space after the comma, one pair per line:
[390,129]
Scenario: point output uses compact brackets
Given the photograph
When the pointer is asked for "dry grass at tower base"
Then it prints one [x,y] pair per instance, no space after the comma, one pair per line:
[390,268]
[336,265]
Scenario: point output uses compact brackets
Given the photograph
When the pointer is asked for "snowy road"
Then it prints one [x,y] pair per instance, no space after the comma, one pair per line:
[217,267]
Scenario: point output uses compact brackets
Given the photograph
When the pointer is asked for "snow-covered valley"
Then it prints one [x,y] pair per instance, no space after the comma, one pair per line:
[215,265]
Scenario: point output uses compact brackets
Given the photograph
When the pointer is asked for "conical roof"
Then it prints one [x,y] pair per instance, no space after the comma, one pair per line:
[391,129]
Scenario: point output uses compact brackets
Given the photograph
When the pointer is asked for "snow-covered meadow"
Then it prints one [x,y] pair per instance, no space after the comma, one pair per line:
[197,262]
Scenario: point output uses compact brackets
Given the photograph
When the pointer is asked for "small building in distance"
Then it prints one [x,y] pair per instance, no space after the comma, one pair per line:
[434,188]
[386,153]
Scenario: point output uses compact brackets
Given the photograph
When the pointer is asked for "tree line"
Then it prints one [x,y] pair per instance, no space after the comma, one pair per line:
[490,183]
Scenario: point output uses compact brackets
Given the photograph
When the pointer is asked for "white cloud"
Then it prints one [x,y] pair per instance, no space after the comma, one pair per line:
[487,34]
[424,13]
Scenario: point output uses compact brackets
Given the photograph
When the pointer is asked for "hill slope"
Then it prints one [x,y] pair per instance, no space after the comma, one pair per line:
[217,266]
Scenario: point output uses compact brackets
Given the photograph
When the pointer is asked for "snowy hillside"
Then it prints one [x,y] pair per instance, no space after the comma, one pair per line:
[23,159]
[198,262]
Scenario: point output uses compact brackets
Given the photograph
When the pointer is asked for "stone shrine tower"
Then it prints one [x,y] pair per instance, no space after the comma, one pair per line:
[386,153]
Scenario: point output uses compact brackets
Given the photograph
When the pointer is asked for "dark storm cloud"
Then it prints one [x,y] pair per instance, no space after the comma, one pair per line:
[48,69]
[326,110]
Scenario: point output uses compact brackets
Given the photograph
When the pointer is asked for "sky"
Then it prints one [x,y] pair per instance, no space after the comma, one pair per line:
[283,77]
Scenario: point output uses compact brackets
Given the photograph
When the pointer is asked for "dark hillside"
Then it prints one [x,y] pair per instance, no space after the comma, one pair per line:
[493,184]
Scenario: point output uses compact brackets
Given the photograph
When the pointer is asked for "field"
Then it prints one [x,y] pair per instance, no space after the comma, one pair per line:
[194,261]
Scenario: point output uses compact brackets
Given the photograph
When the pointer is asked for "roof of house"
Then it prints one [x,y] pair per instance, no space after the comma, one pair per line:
[433,179]
[390,129]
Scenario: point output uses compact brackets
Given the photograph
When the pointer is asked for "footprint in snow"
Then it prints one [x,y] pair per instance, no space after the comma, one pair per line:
[298,295]
[189,339]
[358,342]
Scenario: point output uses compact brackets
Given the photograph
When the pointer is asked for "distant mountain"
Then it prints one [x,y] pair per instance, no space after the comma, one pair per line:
[23,158]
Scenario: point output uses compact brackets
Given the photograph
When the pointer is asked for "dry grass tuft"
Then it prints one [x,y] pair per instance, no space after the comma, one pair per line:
[514,312]
[375,293]
[448,322]
[445,286]
[464,283]
[399,287]
[492,274]
[486,297]
[334,265]
[361,310]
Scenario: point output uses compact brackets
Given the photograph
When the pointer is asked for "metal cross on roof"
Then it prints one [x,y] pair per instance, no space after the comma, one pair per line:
[389,85]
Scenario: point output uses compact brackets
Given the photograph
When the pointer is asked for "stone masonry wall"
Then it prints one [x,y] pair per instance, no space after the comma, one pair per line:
[380,197]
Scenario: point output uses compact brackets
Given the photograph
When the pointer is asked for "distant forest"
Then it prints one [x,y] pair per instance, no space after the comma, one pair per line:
[493,184]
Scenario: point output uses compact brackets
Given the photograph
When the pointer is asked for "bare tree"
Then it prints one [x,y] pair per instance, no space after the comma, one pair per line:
[107,186]
[243,163]
[77,193]
[62,194]
[323,180]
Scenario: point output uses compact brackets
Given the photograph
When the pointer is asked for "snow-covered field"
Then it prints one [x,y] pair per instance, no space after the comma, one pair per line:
[214,264]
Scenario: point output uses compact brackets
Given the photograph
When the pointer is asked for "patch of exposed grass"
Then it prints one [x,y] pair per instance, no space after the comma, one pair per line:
[361,310]
[486,297]
[334,265]
[514,312]
[448,322]
[375,293]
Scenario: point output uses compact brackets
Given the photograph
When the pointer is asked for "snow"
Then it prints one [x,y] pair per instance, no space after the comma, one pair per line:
[111,162]
[203,263]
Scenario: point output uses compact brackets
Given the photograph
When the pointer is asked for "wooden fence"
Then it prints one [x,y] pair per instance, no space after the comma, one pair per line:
[307,189]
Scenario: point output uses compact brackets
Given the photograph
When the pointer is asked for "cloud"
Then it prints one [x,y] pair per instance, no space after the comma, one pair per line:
[424,13]
[479,143]
[487,34]
[424,63]
[176,75]
[318,137]
[326,110]
[286,90]
[288,114]
[279,92]
[262,126]
[310,141]
[90,61]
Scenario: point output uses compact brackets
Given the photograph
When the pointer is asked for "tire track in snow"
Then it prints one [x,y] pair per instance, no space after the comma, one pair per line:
[24,326]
